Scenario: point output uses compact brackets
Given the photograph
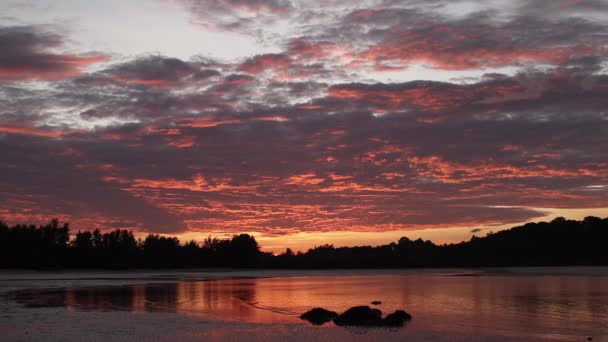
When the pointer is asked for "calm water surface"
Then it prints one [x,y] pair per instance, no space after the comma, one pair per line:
[567,308]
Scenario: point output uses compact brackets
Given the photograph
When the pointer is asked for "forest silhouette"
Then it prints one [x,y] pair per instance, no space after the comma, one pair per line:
[560,242]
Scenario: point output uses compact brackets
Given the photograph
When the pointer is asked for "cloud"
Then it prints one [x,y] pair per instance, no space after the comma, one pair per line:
[547,7]
[478,42]
[26,55]
[312,137]
[310,171]
[158,71]
[236,15]
[252,6]
[262,63]
[57,181]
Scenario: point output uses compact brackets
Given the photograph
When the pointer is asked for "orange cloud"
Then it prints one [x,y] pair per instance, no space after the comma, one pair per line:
[40,132]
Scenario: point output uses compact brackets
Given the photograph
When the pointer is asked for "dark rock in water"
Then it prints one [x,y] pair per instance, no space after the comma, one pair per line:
[376,302]
[396,319]
[357,316]
[319,316]
[360,316]
[402,314]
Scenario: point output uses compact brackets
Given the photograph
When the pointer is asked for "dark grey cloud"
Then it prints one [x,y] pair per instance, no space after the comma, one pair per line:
[159,71]
[299,140]
[25,55]
[398,34]
[55,177]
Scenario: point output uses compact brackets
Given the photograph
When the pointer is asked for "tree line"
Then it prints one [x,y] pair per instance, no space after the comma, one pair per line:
[557,243]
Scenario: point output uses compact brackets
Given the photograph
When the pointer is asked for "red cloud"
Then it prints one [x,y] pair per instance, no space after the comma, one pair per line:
[444,47]
[156,71]
[432,97]
[390,98]
[56,67]
[273,118]
[435,167]
[40,132]
[303,49]
[261,63]
[207,122]
[26,55]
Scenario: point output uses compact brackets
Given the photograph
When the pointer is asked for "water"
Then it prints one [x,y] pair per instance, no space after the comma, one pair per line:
[523,306]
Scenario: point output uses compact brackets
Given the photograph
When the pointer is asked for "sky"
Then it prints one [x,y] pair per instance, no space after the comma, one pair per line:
[303,122]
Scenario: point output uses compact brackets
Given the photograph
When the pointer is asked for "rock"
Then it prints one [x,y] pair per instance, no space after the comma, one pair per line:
[396,319]
[357,316]
[360,316]
[376,302]
[319,316]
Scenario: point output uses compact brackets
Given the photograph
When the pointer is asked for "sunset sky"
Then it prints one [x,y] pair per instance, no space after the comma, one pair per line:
[303,122]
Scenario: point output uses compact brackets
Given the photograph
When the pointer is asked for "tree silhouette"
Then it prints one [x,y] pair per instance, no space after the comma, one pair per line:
[83,241]
[160,251]
[559,242]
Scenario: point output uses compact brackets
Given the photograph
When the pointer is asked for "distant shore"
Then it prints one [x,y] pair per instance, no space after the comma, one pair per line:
[560,242]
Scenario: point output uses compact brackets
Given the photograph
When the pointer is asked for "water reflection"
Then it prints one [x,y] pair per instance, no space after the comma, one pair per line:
[224,300]
[512,305]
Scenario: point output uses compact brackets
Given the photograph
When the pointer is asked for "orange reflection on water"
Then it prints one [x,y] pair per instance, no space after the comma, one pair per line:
[538,306]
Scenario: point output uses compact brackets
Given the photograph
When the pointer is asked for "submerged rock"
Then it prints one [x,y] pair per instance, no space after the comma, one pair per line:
[319,316]
[360,316]
[396,319]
